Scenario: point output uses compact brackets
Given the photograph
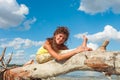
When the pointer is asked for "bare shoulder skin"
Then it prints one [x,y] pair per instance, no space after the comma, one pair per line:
[61,56]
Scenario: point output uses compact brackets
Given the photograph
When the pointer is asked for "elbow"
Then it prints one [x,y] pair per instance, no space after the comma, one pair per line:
[59,58]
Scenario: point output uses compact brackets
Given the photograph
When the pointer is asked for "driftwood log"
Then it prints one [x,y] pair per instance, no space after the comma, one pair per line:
[99,60]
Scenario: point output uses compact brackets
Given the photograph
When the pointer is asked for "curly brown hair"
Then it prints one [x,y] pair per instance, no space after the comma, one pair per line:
[55,47]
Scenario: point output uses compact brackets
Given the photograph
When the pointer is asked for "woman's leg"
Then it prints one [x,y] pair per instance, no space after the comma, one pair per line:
[84,44]
[43,58]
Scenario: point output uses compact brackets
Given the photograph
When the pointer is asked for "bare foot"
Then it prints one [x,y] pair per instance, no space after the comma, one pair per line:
[85,38]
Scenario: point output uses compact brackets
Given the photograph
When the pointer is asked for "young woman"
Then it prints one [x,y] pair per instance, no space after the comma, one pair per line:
[54,47]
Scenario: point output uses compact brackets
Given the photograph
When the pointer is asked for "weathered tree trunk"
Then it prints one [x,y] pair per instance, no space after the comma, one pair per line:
[99,60]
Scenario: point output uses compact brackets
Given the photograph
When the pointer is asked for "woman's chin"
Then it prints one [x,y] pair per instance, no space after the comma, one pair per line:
[59,43]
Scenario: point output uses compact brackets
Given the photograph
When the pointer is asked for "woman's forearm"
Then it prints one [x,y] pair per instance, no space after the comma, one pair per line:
[66,55]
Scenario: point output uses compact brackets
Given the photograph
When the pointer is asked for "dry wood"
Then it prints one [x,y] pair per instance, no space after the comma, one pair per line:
[99,60]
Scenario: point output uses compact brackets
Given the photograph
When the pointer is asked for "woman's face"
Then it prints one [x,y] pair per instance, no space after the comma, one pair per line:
[60,38]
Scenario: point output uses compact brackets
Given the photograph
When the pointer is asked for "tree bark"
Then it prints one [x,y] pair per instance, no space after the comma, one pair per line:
[99,60]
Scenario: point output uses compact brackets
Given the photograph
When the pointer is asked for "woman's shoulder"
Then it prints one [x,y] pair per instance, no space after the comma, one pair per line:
[46,44]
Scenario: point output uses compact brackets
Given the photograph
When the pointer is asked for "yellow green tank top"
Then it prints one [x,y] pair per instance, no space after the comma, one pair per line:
[42,50]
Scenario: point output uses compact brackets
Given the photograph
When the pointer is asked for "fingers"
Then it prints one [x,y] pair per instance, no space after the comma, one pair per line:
[88,49]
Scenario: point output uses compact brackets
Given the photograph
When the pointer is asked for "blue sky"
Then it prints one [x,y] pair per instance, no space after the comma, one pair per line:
[25,24]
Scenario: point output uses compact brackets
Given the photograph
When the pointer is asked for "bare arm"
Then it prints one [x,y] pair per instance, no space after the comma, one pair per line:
[60,56]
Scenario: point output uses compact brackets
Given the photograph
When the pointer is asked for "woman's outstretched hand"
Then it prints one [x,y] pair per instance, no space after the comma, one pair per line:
[82,49]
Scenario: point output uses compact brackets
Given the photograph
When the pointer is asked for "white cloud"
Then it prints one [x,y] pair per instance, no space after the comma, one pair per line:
[92,45]
[19,53]
[99,6]
[22,10]
[19,43]
[80,35]
[108,33]
[18,57]
[11,13]
[27,23]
